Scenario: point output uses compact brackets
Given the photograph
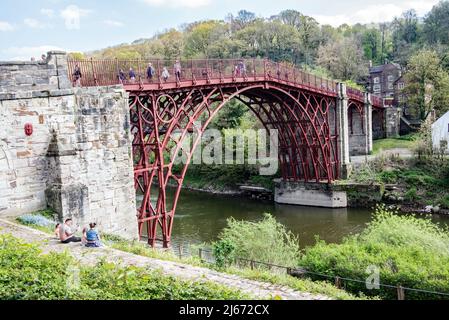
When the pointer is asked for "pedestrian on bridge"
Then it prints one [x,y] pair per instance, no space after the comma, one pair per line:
[150,72]
[132,75]
[121,76]
[178,70]
[77,76]
[165,74]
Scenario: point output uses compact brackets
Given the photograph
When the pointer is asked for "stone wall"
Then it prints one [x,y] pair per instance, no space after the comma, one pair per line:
[78,159]
[357,134]
[392,122]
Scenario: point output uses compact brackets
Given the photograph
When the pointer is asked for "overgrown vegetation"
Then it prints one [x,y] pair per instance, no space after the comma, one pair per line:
[404,142]
[266,240]
[260,274]
[27,274]
[405,250]
[418,183]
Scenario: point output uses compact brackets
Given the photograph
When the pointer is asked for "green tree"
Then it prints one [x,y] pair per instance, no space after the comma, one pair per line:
[436,24]
[203,35]
[427,84]
[343,58]
[372,45]
[172,44]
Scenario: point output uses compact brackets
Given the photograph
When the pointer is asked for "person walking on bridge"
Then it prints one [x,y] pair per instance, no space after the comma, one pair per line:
[165,74]
[121,76]
[177,68]
[77,76]
[150,72]
[132,75]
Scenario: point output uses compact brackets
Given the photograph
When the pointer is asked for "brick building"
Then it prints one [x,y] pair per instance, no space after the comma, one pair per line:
[382,80]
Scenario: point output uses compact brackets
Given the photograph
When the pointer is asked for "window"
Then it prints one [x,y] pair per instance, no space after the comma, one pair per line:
[401,85]
[376,88]
[390,78]
[376,80]
[390,86]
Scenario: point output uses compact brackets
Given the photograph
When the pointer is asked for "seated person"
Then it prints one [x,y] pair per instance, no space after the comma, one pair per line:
[93,237]
[66,235]
[58,226]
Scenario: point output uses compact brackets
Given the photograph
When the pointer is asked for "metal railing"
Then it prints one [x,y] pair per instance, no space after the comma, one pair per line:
[96,72]
[206,255]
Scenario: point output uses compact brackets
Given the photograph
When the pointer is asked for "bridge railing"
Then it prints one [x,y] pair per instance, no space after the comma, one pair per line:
[107,72]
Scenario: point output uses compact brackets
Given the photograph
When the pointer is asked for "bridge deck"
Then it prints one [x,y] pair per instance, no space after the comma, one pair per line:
[204,73]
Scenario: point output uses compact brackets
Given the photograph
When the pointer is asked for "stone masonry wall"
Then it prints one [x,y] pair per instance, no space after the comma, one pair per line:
[357,136]
[78,160]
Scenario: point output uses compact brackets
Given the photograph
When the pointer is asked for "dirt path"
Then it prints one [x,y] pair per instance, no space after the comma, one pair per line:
[259,290]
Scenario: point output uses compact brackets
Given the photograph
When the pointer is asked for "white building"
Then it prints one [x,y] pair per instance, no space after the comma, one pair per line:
[440,132]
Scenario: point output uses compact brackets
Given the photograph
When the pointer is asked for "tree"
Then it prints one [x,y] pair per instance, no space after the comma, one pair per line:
[203,35]
[343,58]
[372,45]
[243,19]
[172,44]
[308,31]
[427,84]
[436,24]
[405,35]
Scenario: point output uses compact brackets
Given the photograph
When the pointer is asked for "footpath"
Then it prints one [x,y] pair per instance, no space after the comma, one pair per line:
[88,256]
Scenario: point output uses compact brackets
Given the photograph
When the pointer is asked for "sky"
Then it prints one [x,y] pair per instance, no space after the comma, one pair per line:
[29,28]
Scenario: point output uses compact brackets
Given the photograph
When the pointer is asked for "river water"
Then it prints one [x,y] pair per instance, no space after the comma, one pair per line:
[200,217]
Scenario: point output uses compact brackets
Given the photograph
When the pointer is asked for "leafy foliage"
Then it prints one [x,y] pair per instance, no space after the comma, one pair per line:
[27,274]
[266,240]
[407,251]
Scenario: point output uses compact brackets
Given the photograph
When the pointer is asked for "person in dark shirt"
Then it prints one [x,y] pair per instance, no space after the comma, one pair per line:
[150,72]
[132,75]
[121,76]
[77,76]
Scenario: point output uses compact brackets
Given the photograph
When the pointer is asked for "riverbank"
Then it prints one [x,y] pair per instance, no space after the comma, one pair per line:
[186,272]
[401,180]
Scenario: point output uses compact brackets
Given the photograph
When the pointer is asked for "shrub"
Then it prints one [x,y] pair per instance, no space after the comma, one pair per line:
[266,241]
[407,251]
[27,274]
[445,201]
[411,194]
[36,220]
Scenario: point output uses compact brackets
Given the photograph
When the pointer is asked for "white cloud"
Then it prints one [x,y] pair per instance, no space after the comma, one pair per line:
[72,16]
[26,53]
[5,26]
[377,13]
[178,3]
[34,24]
[50,13]
[113,23]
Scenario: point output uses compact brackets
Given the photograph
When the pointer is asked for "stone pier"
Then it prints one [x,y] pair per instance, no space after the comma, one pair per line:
[309,194]
[78,158]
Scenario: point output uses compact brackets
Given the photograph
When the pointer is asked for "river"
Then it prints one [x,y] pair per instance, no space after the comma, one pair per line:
[200,217]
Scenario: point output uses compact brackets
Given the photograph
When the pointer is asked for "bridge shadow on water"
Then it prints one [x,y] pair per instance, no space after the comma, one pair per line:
[201,216]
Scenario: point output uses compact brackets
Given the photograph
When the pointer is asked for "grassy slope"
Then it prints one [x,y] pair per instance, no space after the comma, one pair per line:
[404,142]
[139,248]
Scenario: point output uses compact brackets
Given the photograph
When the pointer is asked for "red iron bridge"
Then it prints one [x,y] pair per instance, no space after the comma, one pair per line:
[314,118]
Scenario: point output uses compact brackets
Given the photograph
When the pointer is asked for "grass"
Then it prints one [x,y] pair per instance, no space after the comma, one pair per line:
[28,274]
[419,182]
[404,142]
[139,248]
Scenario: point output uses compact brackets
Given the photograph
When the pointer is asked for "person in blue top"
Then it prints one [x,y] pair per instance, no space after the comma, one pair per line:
[121,76]
[132,75]
[93,237]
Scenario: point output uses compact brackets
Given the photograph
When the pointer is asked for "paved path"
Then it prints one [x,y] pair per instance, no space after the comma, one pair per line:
[259,290]
[402,152]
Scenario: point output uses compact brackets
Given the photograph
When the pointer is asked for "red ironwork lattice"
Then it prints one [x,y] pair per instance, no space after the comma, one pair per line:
[301,106]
